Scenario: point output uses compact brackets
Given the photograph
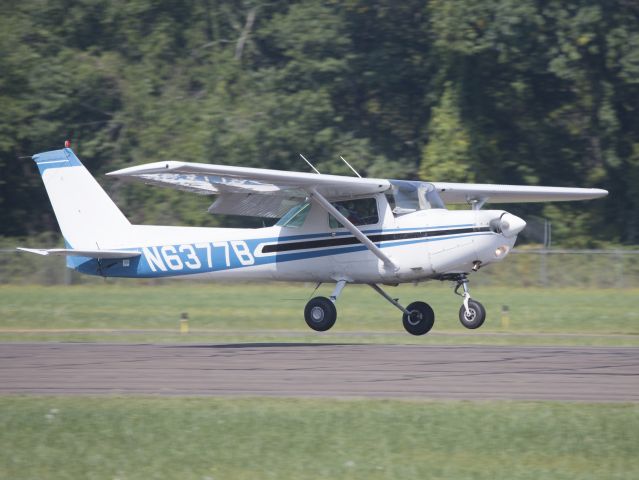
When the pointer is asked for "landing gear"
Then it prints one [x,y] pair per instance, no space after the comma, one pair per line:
[418,317]
[473,317]
[472,313]
[320,314]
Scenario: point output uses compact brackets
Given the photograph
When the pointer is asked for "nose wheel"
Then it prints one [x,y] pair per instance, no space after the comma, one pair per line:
[472,314]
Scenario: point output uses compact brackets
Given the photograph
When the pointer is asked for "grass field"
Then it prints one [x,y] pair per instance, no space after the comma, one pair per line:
[273,312]
[187,438]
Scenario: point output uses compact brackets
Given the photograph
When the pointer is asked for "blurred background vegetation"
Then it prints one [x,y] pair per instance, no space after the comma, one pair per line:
[509,91]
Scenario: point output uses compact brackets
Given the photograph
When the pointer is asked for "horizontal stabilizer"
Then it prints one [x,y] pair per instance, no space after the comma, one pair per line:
[67,252]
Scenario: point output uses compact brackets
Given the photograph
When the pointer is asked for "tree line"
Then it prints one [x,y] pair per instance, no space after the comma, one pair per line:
[504,91]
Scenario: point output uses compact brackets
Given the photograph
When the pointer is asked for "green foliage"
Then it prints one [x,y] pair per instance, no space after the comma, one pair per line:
[514,91]
[447,153]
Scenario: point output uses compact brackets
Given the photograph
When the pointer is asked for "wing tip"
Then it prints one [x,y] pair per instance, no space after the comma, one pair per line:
[599,192]
[37,251]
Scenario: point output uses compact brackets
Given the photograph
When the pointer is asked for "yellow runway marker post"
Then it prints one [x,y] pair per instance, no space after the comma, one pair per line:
[505,317]
[184,323]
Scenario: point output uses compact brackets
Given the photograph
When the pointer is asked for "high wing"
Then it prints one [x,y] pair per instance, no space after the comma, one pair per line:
[270,193]
[250,191]
[489,193]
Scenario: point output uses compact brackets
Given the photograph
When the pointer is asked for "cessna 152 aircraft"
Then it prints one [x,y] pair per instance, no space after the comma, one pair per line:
[332,229]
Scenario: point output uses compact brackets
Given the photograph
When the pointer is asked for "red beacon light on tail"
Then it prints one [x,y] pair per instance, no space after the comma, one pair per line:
[67,144]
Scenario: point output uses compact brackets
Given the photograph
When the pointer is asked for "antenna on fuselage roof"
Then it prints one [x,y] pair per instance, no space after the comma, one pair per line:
[349,166]
[310,164]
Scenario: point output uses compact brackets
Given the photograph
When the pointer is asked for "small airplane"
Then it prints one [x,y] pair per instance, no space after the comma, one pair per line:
[331,229]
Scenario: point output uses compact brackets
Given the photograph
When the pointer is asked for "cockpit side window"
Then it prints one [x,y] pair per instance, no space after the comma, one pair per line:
[361,211]
[296,216]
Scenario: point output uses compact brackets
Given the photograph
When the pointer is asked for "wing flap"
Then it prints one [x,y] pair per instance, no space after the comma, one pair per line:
[211,179]
[209,184]
[253,205]
[67,252]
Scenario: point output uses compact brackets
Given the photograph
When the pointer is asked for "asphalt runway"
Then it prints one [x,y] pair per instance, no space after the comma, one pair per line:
[591,374]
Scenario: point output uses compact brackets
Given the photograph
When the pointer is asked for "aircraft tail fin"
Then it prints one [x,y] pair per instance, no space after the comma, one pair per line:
[87,216]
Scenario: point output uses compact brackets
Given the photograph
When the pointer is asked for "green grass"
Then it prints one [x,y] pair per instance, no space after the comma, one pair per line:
[273,312]
[190,438]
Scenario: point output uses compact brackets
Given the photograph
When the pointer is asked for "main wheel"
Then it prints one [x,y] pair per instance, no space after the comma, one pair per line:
[320,314]
[420,320]
[475,316]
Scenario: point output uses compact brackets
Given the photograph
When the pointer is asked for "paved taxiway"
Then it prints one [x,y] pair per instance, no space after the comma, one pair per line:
[593,374]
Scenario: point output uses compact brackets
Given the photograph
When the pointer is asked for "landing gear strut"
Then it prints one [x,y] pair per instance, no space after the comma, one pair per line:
[320,312]
[472,313]
[418,317]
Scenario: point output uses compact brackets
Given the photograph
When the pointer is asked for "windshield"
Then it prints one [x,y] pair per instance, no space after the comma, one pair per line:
[410,196]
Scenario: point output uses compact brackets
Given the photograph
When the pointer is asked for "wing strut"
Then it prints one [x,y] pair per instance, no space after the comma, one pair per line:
[326,205]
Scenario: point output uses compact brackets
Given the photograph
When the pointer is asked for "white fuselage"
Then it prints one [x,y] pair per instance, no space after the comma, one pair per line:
[422,245]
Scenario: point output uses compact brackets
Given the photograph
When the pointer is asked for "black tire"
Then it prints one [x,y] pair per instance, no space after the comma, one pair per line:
[420,320]
[476,317]
[320,314]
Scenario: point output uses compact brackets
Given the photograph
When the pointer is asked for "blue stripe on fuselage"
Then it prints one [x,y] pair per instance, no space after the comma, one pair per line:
[202,257]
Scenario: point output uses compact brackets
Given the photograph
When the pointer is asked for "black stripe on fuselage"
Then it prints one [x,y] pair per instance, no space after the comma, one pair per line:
[384,237]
